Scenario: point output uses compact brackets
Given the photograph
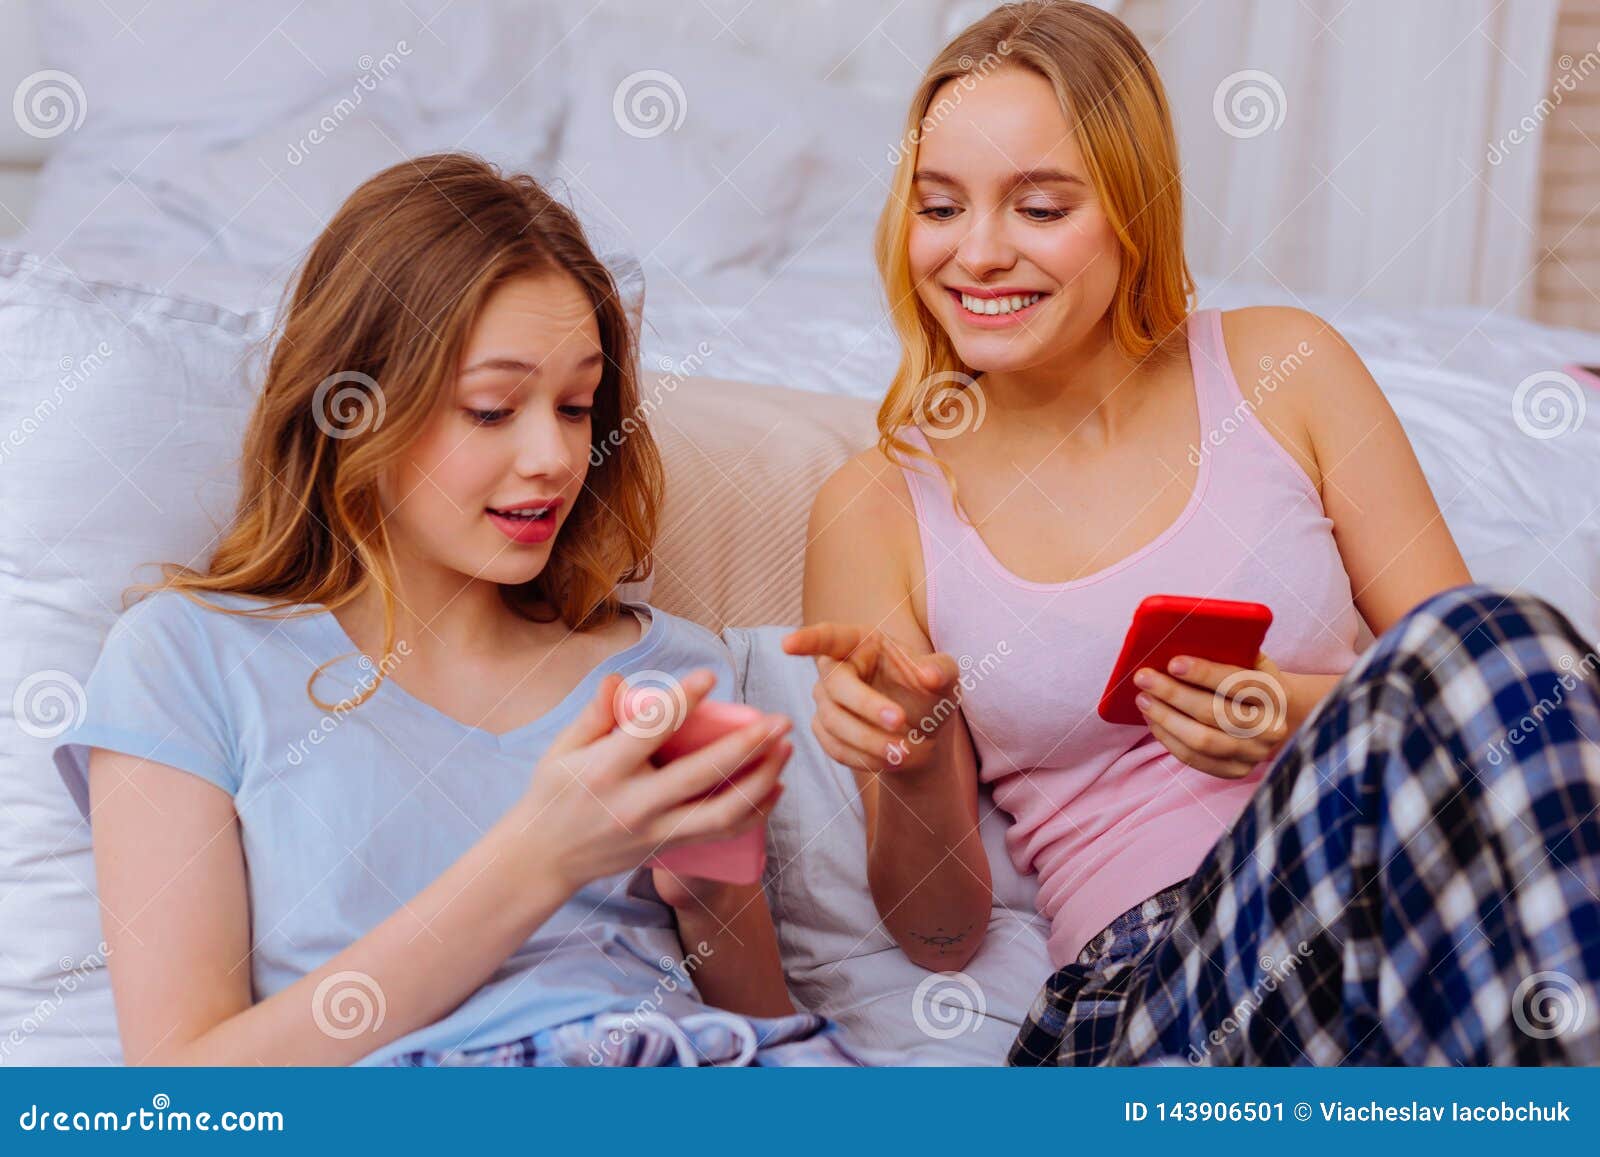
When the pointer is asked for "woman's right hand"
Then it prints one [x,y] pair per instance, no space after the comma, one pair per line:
[873,697]
[599,806]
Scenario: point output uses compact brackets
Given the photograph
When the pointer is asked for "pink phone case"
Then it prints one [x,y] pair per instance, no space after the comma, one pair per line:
[739,860]
[1588,375]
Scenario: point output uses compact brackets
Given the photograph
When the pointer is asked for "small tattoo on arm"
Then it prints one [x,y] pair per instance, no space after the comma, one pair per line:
[941,940]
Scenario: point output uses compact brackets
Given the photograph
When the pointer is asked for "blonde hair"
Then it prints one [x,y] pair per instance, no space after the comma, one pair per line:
[381,312]
[1108,89]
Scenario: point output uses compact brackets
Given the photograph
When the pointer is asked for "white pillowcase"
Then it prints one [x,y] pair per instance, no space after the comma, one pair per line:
[121,414]
[706,158]
[840,960]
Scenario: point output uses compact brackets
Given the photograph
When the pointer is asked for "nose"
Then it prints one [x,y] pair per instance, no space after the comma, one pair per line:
[986,248]
[543,451]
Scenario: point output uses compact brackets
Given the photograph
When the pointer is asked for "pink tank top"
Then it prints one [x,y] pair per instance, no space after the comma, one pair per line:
[1102,813]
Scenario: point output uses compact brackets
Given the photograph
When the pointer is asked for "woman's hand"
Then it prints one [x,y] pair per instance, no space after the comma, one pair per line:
[600,807]
[873,696]
[1224,720]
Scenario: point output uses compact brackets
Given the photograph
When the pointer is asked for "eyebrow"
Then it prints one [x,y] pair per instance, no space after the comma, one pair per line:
[1025,177]
[517,365]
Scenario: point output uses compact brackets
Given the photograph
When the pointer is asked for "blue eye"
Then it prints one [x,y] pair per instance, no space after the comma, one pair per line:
[935,211]
[488,417]
[1047,214]
[576,413]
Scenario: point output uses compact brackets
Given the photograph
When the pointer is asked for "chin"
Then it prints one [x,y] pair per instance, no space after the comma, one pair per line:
[998,356]
[513,572]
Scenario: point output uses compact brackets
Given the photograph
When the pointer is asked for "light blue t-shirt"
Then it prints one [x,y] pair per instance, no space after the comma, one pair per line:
[345,816]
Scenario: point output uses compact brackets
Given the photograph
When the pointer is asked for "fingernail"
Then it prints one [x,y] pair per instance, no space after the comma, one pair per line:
[1142,679]
[1143,701]
[1179,666]
[890,716]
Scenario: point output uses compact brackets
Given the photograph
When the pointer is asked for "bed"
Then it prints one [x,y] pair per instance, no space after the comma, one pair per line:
[134,305]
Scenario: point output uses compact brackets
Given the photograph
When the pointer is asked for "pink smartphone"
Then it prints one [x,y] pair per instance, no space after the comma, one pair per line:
[738,860]
[1588,375]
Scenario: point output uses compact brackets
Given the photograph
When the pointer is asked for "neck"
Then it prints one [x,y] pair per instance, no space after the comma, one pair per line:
[439,612]
[1082,391]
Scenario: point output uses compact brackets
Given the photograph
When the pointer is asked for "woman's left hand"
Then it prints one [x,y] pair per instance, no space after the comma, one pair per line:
[1220,719]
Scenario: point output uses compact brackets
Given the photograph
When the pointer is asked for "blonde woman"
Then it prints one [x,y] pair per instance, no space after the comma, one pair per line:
[1336,844]
[364,788]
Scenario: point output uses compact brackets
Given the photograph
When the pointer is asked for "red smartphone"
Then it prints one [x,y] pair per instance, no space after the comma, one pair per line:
[738,860]
[1166,626]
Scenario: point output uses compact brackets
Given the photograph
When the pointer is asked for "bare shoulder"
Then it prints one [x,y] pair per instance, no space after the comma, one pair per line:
[1292,366]
[867,490]
[1302,350]
[863,555]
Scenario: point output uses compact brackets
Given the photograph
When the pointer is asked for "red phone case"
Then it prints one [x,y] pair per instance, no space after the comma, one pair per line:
[741,859]
[1166,626]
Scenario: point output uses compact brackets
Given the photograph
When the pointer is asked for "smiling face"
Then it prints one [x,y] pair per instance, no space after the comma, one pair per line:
[1009,247]
[486,487]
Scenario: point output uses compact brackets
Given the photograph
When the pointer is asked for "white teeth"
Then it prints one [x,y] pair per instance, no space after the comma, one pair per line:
[990,306]
[525,515]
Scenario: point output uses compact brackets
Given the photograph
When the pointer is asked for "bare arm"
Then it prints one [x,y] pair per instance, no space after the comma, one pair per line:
[177,924]
[1332,418]
[727,930]
[926,866]
[1391,536]
[176,910]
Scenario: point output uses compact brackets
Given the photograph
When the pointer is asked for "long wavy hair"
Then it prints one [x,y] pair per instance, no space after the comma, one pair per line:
[366,353]
[1109,92]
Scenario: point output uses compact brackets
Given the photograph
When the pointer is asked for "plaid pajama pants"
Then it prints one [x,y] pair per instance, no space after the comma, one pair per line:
[652,1039]
[1416,881]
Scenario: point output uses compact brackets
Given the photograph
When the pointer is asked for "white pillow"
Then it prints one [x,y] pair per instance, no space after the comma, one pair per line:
[121,413]
[262,211]
[146,66]
[706,158]
[839,959]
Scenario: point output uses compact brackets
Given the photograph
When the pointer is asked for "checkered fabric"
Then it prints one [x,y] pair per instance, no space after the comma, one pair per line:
[1416,881]
[651,1038]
